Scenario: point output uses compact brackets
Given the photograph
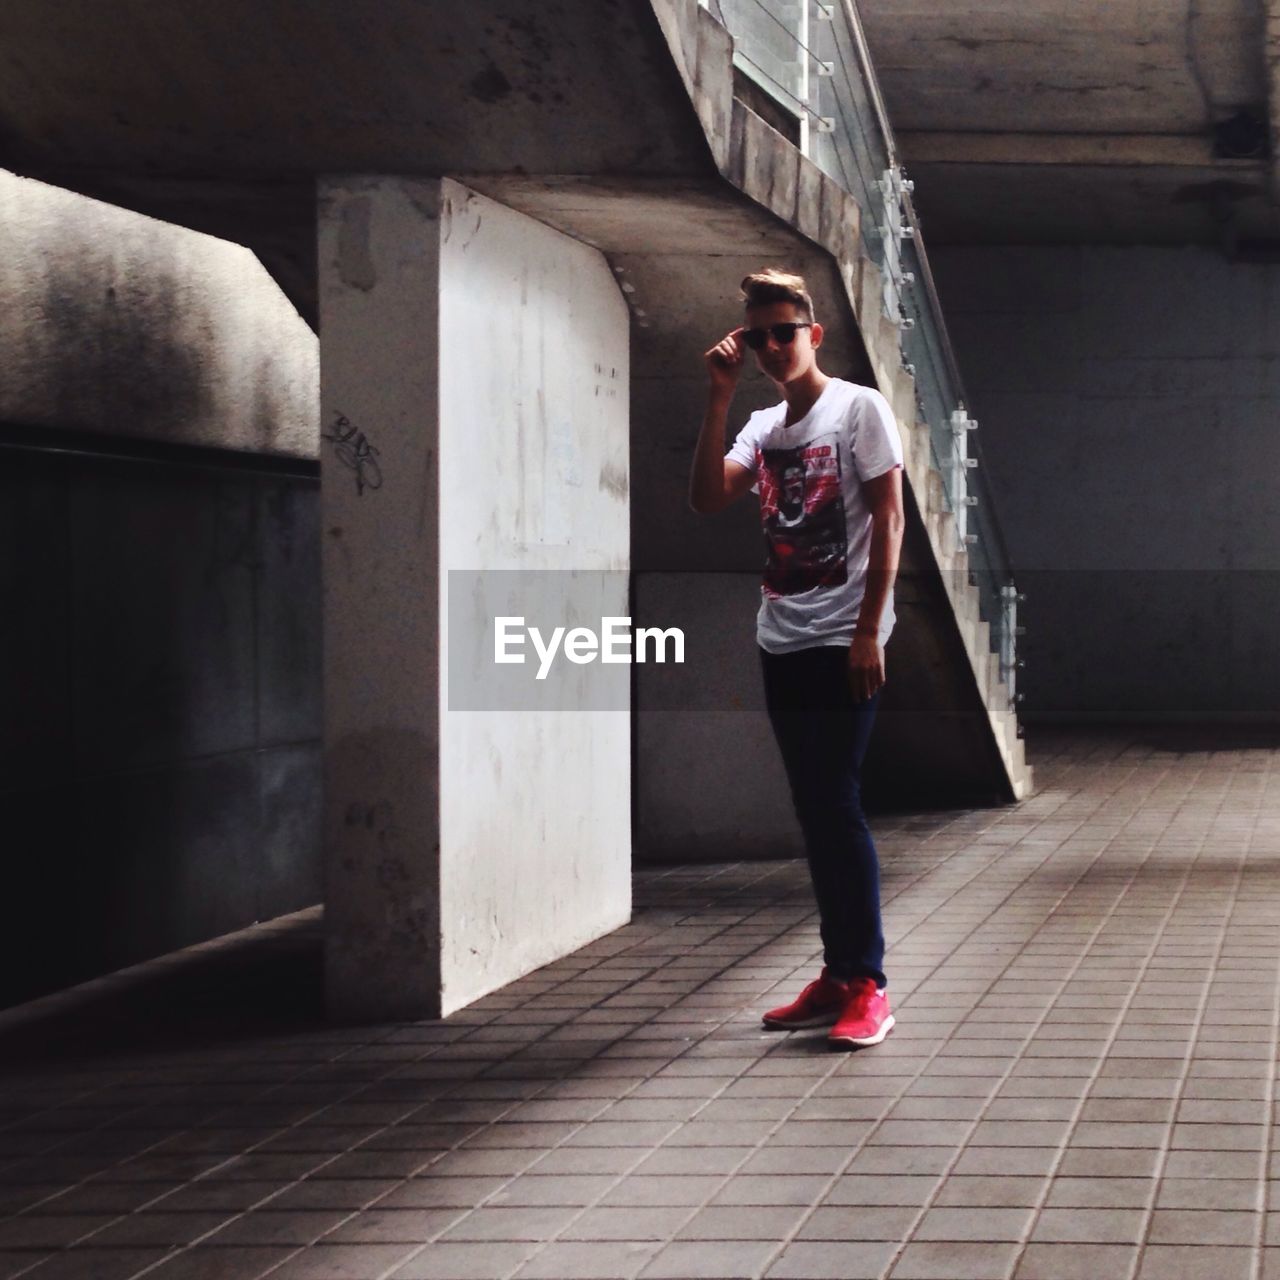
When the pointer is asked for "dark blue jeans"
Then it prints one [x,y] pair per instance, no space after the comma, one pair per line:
[822,732]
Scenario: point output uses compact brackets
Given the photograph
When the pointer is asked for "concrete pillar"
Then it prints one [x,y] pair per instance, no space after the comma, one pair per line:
[474,418]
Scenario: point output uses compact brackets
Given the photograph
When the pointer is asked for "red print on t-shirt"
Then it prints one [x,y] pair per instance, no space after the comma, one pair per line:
[802,511]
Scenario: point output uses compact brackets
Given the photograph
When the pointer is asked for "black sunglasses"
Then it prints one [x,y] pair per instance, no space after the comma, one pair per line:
[782,334]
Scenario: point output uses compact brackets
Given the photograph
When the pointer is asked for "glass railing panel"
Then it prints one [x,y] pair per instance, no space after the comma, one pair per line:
[769,45]
[847,145]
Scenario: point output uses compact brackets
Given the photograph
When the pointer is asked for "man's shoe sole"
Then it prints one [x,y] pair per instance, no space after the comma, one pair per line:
[866,1041]
[801,1024]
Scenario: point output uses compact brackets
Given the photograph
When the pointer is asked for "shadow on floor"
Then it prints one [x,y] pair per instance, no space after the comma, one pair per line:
[267,982]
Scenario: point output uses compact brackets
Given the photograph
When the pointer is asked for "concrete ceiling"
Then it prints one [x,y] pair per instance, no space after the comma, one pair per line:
[1093,120]
[191,89]
[1026,121]
[219,115]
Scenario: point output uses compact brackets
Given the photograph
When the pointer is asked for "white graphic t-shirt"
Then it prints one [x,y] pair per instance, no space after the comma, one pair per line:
[817,526]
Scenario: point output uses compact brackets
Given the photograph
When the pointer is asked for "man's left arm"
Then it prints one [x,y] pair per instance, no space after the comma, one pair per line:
[883,496]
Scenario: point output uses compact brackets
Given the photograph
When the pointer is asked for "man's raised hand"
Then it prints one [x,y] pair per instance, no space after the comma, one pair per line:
[724,362]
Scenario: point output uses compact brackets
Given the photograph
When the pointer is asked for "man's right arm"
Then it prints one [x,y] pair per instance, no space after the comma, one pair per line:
[715,481]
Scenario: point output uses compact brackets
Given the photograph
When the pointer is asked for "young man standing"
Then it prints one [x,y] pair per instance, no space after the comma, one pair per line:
[827,465]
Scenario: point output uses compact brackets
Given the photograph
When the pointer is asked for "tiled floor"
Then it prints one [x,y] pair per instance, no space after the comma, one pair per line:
[1081,1083]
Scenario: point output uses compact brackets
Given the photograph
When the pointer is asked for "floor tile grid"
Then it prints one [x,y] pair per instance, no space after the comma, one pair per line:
[1211,980]
[47,1094]
[993,862]
[118,1115]
[1117,1027]
[837,1063]
[353,1093]
[636,946]
[1270,1098]
[243,1095]
[46,1107]
[434,1157]
[362,1043]
[803,931]
[248,1093]
[805,924]
[735,958]
[999,862]
[235,1072]
[315,1164]
[1065,982]
[1119,1092]
[643,1153]
[214,1168]
[787,972]
[805,967]
[415,1106]
[886,832]
[895,901]
[965,1091]
[779,935]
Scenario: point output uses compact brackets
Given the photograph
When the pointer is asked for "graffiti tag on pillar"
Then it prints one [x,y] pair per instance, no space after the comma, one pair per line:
[353,450]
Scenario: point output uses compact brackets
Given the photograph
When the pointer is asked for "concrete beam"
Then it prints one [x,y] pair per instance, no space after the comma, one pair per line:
[1106,150]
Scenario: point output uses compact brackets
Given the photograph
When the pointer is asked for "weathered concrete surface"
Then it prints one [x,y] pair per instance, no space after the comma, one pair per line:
[379,272]
[1055,91]
[1140,384]
[272,94]
[1271,36]
[159,649]
[460,342]
[1139,66]
[534,478]
[159,706]
[319,86]
[116,323]
[86,105]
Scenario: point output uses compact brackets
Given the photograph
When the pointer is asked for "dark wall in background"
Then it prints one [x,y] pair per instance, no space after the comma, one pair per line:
[159,703]
[1127,399]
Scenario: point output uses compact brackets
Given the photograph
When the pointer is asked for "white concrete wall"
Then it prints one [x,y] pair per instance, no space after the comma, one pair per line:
[118,323]
[534,476]
[1128,400]
[484,358]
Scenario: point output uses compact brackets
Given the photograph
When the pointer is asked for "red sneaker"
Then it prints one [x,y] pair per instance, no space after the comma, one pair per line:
[865,1020]
[818,1005]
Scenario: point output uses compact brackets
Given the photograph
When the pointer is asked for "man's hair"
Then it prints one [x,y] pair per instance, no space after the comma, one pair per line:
[775,285]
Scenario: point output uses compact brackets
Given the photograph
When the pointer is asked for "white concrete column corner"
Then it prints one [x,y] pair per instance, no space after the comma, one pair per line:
[474,402]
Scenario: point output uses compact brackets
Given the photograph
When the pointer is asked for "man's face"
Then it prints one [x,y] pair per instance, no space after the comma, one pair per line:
[784,362]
